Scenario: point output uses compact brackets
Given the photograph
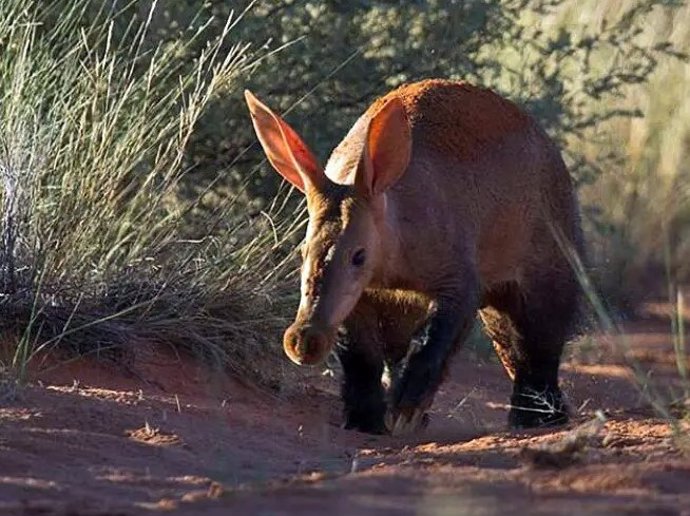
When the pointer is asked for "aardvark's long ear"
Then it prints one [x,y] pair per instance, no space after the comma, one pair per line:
[286,151]
[387,149]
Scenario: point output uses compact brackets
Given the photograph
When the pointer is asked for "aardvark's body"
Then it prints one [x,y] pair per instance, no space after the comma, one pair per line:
[443,200]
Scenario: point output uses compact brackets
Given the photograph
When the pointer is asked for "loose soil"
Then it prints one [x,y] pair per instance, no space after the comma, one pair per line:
[166,435]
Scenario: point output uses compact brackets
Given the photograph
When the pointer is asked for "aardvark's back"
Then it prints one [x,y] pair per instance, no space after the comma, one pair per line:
[481,170]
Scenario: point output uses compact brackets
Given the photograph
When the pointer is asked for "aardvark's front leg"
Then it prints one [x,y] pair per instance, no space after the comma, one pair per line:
[451,320]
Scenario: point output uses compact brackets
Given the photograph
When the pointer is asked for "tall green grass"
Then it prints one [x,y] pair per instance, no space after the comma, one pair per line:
[97,251]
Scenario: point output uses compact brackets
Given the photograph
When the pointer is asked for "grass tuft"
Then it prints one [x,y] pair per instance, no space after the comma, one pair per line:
[97,254]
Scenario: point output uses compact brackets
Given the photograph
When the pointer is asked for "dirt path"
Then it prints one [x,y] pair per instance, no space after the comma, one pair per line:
[94,440]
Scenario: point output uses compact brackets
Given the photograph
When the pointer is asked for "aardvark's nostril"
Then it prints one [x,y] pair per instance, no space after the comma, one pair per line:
[312,344]
[306,345]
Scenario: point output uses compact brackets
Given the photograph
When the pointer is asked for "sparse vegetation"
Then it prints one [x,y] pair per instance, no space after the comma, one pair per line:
[97,247]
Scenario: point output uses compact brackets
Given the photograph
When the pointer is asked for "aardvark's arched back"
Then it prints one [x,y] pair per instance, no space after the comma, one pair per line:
[442,201]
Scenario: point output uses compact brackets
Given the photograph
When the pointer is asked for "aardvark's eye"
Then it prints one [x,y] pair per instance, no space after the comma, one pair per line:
[359,258]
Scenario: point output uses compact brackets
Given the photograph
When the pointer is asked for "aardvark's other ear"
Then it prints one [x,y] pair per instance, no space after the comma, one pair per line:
[387,149]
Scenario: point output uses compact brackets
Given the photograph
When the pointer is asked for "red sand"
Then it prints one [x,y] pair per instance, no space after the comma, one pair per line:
[89,439]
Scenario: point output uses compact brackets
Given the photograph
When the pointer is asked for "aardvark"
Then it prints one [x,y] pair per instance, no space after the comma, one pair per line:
[444,200]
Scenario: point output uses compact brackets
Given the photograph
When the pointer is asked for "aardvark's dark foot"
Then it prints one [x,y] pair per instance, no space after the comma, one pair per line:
[369,420]
[531,408]
[411,395]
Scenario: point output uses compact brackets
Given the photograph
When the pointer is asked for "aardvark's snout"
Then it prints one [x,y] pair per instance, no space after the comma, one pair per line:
[307,344]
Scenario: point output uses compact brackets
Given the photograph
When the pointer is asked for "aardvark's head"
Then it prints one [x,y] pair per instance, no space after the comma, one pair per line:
[343,247]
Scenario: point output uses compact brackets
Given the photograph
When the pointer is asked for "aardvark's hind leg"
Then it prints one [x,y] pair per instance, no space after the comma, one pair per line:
[529,326]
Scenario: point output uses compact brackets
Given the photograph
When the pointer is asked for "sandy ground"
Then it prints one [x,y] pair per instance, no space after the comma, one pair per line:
[94,439]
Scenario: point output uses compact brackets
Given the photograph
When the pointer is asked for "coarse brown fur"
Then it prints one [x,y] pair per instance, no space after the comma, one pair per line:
[472,217]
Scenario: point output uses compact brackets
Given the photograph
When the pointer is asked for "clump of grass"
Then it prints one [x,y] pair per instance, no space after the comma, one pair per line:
[97,253]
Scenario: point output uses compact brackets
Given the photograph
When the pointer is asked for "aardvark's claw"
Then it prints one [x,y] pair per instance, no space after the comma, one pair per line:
[405,422]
